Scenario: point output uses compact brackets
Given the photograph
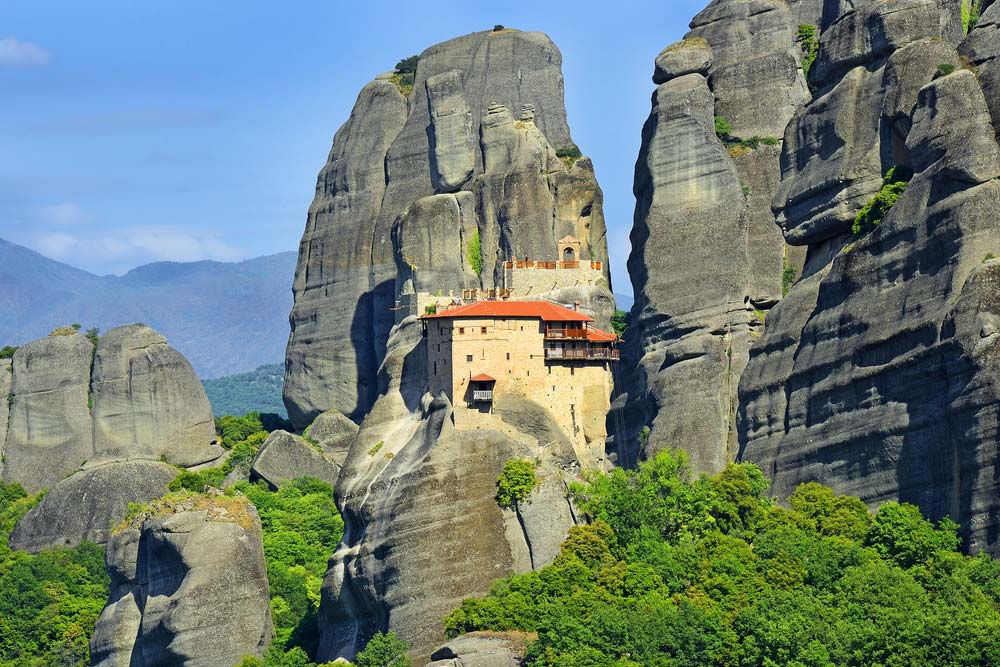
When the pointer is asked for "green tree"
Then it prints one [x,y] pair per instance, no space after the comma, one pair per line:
[619,322]
[384,650]
[515,483]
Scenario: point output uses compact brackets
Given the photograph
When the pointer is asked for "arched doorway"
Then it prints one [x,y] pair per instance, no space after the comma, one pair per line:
[569,255]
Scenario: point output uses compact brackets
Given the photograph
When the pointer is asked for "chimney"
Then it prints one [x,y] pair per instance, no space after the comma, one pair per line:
[576,305]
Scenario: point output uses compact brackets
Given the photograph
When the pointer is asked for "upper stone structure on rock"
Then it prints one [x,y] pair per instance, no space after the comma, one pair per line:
[877,375]
[432,191]
[71,405]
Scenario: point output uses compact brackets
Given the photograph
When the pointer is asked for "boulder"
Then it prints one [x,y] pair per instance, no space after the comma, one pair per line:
[50,434]
[334,433]
[483,649]
[148,402]
[188,587]
[690,56]
[284,457]
[84,506]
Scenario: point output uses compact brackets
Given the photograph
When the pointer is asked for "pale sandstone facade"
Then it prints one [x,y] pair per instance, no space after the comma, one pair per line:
[513,351]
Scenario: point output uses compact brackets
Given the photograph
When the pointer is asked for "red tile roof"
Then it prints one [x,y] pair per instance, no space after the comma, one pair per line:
[483,377]
[543,310]
[598,336]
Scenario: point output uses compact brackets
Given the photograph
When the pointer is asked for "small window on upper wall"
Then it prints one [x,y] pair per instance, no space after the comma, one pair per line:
[461,330]
[508,356]
[484,331]
[468,357]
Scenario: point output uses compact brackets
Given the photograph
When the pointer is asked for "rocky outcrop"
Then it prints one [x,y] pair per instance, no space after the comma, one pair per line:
[6,385]
[84,506]
[284,457]
[50,434]
[334,433]
[148,402]
[982,49]
[188,587]
[705,249]
[483,649]
[412,186]
[422,526]
[877,374]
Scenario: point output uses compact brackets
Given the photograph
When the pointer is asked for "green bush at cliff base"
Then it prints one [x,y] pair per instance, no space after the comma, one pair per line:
[49,602]
[301,528]
[384,650]
[515,483]
[708,571]
[873,213]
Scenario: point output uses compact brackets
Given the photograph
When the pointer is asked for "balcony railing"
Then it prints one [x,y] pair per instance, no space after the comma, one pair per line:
[553,333]
[594,353]
[573,264]
[482,396]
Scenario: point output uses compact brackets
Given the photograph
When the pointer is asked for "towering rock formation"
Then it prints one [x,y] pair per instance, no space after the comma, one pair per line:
[422,526]
[188,587]
[878,374]
[427,194]
[98,426]
[705,249]
[414,183]
[71,405]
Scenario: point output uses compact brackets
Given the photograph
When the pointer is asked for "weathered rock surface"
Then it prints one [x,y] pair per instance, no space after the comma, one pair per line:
[335,433]
[982,49]
[422,527]
[877,375]
[148,402]
[284,457]
[705,249]
[6,385]
[410,183]
[84,507]
[50,434]
[188,587]
[482,649]
[133,398]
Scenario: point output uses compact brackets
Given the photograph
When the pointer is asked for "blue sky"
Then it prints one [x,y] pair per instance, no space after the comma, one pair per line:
[133,131]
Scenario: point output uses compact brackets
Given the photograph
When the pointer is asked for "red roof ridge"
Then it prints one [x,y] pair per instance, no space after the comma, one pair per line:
[543,310]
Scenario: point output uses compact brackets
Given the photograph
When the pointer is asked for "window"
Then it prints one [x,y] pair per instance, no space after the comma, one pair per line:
[483,331]
[572,371]
[461,330]
[468,357]
[435,368]
[508,356]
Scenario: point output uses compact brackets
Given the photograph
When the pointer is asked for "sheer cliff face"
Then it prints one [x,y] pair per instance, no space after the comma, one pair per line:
[878,373]
[410,183]
[705,248]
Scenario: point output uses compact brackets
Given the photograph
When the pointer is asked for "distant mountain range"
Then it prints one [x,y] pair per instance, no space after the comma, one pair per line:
[225,317]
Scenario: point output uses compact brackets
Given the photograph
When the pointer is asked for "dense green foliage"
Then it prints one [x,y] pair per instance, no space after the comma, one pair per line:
[258,390]
[301,530]
[405,74]
[683,572]
[515,483]
[7,351]
[723,128]
[474,252]
[970,14]
[808,40]
[384,650]
[619,322]
[49,602]
[873,213]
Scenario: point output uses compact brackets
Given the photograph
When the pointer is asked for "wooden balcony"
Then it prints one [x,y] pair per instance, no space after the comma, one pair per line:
[587,354]
[482,396]
[565,333]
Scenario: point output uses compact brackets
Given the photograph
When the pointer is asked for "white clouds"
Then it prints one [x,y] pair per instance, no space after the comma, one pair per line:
[69,233]
[66,214]
[15,53]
